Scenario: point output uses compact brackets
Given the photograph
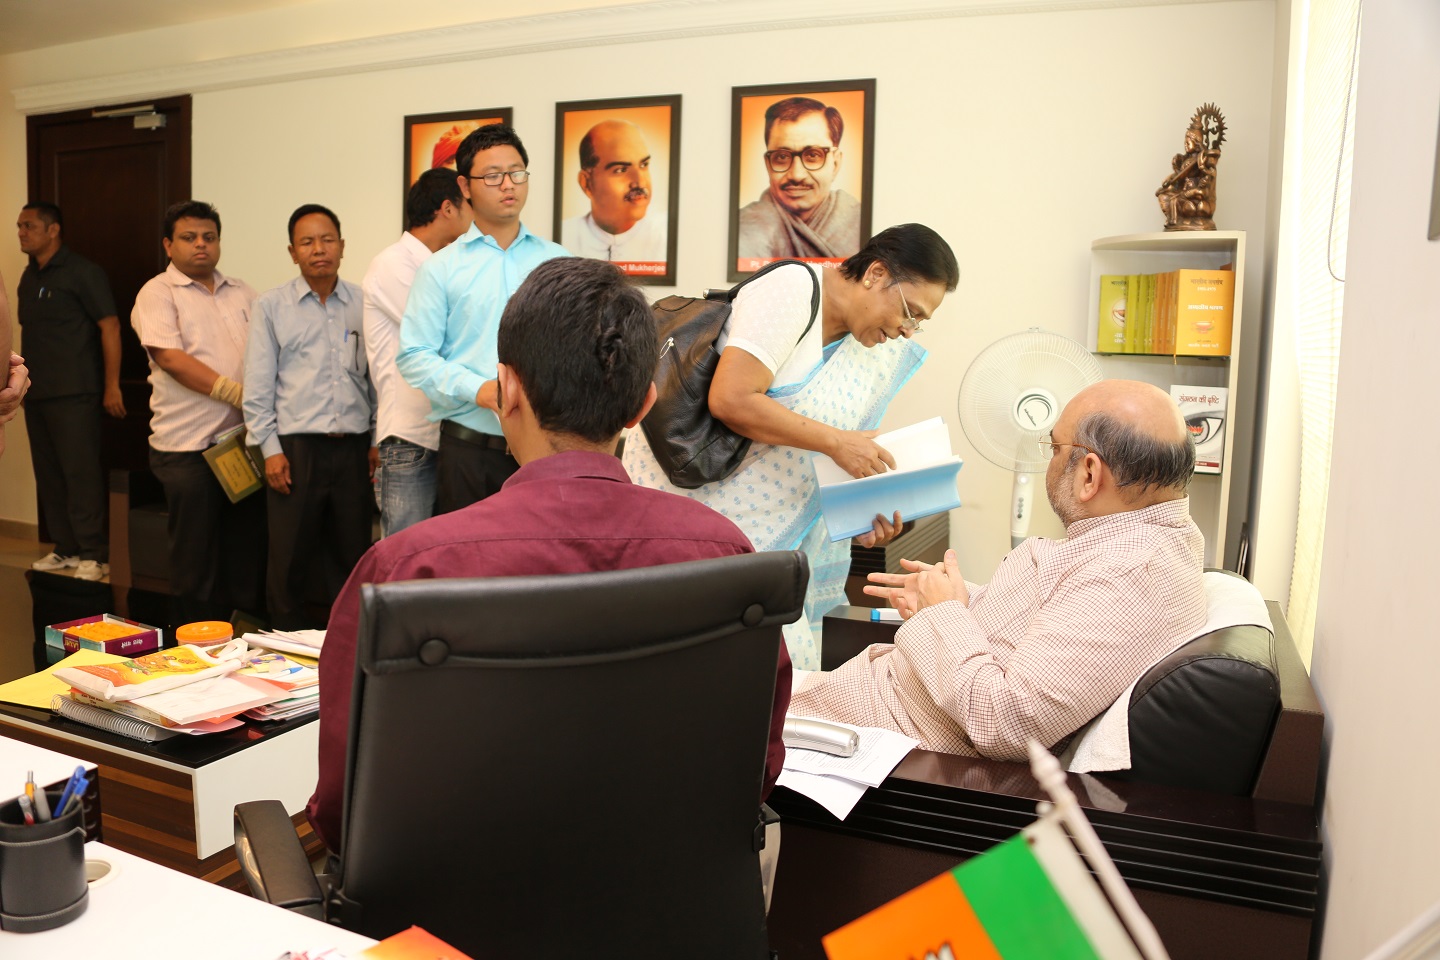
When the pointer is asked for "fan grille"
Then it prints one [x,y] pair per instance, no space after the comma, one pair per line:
[1035,363]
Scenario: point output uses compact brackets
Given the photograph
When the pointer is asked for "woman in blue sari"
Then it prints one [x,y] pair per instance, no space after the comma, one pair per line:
[823,392]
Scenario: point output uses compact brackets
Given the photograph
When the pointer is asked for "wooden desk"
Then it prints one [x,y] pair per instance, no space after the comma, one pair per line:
[1219,875]
[143,910]
[172,802]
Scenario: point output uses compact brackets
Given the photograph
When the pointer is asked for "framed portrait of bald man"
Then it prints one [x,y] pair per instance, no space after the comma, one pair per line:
[431,139]
[617,184]
[800,172]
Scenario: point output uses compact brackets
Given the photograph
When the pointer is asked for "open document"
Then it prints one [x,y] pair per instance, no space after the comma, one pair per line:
[838,783]
[922,483]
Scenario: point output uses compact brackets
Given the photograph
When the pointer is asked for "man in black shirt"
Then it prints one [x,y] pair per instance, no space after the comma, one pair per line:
[71,338]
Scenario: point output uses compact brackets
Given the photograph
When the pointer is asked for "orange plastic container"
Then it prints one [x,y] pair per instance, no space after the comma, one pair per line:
[204,633]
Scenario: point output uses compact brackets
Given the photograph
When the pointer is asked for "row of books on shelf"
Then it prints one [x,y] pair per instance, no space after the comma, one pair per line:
[182,690]
[1183,313]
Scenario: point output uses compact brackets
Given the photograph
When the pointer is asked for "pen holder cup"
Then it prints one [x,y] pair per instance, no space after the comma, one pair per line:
[42,869]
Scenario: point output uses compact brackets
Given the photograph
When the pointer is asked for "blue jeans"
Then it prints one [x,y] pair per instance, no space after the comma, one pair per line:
[406,484]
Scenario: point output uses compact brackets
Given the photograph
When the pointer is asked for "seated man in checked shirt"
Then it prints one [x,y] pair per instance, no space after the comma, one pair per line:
[1065,625]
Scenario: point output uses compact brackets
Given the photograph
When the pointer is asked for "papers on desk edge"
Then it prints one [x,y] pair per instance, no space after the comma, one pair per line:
[922,483]
[838,783]
[307,643]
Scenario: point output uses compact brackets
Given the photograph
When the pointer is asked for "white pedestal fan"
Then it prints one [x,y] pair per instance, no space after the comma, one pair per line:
[1010,398]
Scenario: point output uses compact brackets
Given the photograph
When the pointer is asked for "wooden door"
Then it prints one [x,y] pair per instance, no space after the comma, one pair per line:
[113,178]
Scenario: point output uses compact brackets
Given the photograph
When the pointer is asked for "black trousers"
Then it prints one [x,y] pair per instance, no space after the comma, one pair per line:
[467,473]
[320,529]
[217,548]
[65,452]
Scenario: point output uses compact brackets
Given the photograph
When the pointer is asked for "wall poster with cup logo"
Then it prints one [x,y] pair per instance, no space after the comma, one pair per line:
[801,167]
[617,183]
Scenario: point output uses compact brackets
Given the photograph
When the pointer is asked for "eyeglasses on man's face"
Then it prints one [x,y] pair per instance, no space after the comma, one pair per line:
[517,177]
[911,323]
[1049,448]
[812,158]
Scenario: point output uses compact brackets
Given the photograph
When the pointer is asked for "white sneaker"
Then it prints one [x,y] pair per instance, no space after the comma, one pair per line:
[53,561]
[92,570]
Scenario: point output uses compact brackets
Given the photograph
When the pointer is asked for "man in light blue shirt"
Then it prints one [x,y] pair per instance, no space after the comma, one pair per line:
[310,407]
[447,338]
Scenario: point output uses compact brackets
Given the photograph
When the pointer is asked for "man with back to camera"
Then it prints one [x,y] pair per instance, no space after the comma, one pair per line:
[1065,626]
[193,322]
[310,407]
[447,339]
[576,360]
[435,215]
[615,175]
[72,344]
[799,214]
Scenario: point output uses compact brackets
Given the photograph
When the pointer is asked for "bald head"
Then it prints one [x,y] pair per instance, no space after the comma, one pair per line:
[1143,407]
[1137,434]
[615,174]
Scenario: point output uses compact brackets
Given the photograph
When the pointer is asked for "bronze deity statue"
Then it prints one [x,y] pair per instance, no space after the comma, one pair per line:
[1187,197]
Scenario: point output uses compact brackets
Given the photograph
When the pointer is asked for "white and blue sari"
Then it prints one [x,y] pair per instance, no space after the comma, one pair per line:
[773,497]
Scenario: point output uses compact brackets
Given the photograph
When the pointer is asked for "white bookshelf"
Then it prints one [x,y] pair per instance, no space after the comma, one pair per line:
[1158,253]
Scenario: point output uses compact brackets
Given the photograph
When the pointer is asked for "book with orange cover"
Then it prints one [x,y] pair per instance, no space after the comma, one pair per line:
[1205,311]
[143,676]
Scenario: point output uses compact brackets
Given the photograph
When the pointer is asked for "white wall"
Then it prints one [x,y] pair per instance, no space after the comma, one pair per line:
[1019,137]
[1377,660]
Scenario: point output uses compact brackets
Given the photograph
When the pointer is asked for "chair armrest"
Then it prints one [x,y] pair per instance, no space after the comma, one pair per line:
[768,817]
[273,860]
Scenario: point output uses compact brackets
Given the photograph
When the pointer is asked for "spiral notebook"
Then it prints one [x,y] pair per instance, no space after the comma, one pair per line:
[109,720]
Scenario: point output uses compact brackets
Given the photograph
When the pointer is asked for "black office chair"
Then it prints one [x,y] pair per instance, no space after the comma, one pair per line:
[555,766]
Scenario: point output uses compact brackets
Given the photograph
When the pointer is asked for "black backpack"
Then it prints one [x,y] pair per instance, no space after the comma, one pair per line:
[692,447]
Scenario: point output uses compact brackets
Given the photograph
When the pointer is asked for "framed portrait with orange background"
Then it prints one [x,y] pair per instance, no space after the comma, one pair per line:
[431,139]
[617,183]
[801,169]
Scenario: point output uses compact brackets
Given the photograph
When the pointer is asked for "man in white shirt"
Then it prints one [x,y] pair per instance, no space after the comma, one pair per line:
[193,321]
[435,215]
[615,175]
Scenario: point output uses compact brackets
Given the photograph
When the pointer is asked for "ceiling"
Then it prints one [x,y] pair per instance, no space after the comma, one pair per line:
[32,24]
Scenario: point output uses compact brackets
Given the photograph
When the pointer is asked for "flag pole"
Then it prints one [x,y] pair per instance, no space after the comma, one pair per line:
[1046,770]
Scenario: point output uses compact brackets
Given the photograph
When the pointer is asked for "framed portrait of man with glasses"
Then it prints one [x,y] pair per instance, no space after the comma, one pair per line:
[617,189]
[800,172]
[431,140]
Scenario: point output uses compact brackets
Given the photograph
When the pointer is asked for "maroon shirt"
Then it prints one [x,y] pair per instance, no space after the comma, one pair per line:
[573,512]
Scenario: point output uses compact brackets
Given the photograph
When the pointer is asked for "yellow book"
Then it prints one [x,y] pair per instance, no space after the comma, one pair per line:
[1110,337]
[235,465]
[1132,313]
[38,689]
[1205,311]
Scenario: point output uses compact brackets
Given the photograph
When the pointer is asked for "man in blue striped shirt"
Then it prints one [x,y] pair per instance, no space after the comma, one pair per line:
[310,407]
[447,337]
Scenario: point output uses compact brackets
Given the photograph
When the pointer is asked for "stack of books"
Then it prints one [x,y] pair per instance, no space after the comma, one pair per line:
[1183,313]
[188,690]
[297,675]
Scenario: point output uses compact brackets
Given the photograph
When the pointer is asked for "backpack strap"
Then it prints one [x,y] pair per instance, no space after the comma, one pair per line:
[729,295]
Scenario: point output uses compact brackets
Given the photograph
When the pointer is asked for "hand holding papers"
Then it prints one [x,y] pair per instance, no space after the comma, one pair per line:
[922,483]
[837,783]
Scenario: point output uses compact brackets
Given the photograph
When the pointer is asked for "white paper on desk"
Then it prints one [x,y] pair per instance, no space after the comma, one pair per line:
[835,794]
[222,696]
[879,752]
[922,483]
[302,642]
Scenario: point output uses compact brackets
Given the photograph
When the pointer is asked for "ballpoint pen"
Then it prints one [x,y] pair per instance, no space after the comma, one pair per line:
[27,810]
[74,799]
[70,789]
[38,799]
